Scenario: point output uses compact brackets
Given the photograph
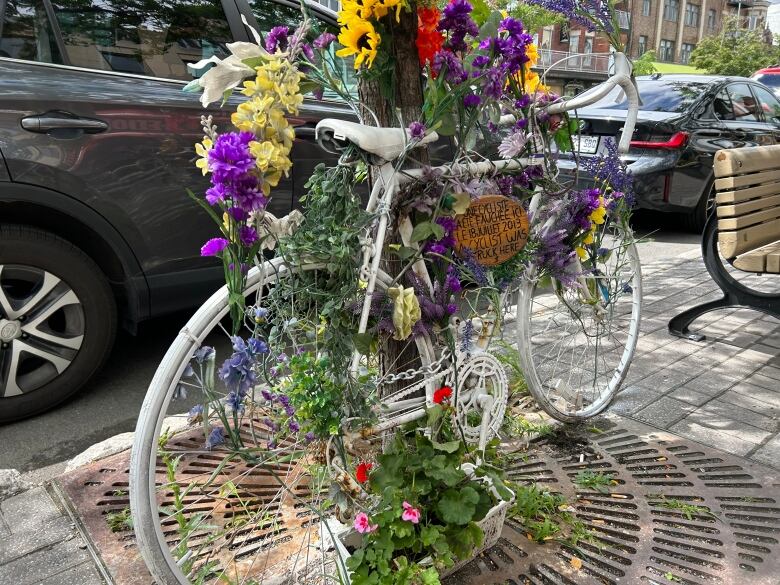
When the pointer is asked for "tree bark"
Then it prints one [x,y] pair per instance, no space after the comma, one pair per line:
[407,104]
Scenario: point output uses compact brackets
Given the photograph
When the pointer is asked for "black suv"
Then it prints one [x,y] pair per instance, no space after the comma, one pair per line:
[97,142]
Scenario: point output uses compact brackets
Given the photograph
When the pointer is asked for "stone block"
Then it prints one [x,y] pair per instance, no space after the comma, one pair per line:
[763,381]
[750,403]
[11,483]
[83,574]
[632,398]
[771,397]
[46,534]
[718,421]
[688,395]
[27,511]
[44,563]
[664,412]
[712,437]
[769,453]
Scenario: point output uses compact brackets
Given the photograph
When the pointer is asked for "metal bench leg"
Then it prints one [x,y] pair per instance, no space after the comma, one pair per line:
[678,326]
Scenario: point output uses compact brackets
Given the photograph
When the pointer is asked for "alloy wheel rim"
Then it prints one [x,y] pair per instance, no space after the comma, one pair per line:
[41,328]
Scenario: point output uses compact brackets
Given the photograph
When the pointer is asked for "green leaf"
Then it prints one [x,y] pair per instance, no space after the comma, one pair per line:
[434,414]
[449,447]
[422,231]
[429,535]
[490,27]
[458,506]
[430,577]
[193,86]
[448,475]
[364,342]
[254,61]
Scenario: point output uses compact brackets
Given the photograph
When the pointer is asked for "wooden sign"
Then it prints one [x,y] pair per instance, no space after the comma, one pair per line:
[494,228]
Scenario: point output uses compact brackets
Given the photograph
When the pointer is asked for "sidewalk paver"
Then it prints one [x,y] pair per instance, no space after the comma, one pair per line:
[724,391]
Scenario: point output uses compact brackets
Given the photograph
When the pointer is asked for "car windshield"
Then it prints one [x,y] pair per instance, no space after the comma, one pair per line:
[768,79]
[658,95]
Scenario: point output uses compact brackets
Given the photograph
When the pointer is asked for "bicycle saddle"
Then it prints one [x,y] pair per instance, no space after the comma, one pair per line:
[386,143]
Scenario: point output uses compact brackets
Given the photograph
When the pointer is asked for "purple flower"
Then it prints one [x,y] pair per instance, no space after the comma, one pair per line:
[471,100]
[324,40]
[609,169]
[266,395]
[216,437]
[308,52]
[417,130]
[452,308]
[480,61]
[310,437]
[451,65]
[235,400]
[523,102]
[294,426]
[261,314]
[272,444]
[276,39]
[452,282]
[456,22]
[230,159]
[247,194]
[576,10]
[238,214]
[494,82]
[213,247]
[257,346]
[248,235]
[216,193]
[203,353]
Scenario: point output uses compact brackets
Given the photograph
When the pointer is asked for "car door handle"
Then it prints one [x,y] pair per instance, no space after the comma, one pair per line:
[44,123]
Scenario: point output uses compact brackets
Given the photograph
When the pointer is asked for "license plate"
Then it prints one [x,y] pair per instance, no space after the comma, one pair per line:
[585,144]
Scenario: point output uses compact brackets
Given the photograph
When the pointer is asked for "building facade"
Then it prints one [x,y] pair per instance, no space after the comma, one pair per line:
[670,28]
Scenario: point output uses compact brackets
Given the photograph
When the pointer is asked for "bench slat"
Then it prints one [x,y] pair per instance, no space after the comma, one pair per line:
[739,161]
[765,259]
[744,221]
[748,206]
[746,194]
[739,181]
[734,243]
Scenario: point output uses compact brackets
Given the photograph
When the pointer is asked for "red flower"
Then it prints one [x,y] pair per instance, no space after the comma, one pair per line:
[429,39]
[362,472]
[442,394]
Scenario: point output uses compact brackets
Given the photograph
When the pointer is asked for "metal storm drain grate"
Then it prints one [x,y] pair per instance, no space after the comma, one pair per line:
[639,538]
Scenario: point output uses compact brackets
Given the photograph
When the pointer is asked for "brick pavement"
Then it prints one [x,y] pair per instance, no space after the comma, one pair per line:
[41,545]
[724,391]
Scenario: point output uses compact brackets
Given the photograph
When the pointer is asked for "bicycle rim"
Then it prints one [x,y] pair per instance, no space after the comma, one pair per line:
[208,516]
[575,354]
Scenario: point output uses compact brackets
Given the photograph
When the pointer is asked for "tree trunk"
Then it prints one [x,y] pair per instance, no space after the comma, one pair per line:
[406,103]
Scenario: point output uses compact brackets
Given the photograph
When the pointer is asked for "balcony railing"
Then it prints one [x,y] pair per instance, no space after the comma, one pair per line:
[559,61]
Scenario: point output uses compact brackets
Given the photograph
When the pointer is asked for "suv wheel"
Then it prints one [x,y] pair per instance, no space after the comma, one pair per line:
[57,320]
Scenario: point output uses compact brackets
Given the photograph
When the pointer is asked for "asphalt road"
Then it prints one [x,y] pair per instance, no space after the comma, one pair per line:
[110,403]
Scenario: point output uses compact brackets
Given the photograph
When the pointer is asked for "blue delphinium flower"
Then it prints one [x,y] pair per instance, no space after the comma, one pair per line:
[216,437]
[203,354]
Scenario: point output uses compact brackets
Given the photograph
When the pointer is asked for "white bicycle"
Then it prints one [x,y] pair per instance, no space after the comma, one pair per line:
[255,515]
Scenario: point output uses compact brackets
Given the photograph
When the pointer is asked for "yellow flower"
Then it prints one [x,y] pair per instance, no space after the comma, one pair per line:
[202,150]
[356,9]
[589,238]
[382,7]
[581,252]
[406,310]
[360,39]
[599,214]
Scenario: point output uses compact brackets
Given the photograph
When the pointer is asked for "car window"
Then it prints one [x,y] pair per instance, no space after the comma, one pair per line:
[768,79]
[147,38]
[743,103]
[767,103]
[658,95]
[721,106]
[27,33]
[270,14]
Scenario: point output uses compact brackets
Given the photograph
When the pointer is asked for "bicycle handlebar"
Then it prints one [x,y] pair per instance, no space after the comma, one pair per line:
[621,77]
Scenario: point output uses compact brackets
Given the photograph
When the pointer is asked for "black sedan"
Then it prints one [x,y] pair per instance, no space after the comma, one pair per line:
[683,121]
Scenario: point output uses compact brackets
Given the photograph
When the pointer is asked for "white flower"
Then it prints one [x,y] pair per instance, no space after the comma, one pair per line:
[513,145]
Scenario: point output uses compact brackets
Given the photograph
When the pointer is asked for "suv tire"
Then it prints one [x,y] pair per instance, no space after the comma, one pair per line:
[57,320]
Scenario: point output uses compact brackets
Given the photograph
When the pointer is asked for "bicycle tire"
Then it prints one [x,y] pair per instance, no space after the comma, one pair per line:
[150,536]
[538,339]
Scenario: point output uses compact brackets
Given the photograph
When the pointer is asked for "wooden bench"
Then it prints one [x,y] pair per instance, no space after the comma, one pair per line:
[745,231]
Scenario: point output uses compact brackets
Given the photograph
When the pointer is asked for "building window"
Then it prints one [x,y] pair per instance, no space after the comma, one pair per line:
[712,17]
[753,20]
[671,10]
[646,7]
[642,45]
[685,53]
[692,12]
[666,50]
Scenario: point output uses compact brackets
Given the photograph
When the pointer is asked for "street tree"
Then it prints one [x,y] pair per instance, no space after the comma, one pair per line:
[734,51]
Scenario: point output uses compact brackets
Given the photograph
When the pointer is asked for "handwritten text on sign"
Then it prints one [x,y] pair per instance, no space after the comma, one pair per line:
[494,228]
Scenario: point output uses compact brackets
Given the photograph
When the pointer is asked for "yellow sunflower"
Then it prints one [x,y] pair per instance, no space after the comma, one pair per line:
[359,38]
[382,7]
[360,9]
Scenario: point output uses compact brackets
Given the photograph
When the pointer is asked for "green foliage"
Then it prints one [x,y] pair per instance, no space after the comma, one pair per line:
[644,64]
[596,481]
[734,51]
[533,17]
[317,392]
[119,521]
[427,474]
[688,510]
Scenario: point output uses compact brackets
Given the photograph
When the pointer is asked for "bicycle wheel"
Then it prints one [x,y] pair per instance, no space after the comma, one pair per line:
[258,514]
[576,344]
